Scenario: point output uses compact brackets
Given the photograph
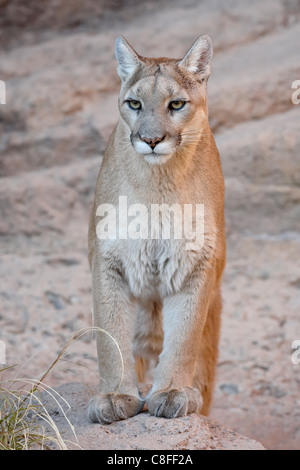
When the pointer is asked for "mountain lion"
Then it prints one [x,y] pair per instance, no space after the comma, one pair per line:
[156,294]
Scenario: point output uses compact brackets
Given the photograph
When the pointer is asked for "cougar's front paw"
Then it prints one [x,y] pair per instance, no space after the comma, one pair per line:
[175,402]
[106,408]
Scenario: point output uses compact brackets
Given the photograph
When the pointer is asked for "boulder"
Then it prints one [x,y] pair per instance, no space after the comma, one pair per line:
[142,432]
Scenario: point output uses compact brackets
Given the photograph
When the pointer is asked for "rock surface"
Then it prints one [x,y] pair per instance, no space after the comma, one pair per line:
[142,432]
[59,68]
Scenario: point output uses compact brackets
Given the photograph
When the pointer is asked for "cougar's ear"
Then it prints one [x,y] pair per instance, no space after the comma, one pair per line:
[127,58]
[197,59]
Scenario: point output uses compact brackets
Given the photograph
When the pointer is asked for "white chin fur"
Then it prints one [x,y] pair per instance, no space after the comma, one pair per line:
[157,159]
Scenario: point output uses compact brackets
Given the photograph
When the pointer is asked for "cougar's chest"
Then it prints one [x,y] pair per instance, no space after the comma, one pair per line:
[156,267]
[153,247]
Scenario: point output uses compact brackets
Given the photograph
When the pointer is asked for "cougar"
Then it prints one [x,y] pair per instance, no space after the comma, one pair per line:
[156,294]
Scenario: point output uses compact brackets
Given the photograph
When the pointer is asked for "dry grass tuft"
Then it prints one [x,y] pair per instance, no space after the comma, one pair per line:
[22,413]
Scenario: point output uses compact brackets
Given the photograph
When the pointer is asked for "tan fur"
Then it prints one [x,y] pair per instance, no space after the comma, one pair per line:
[158,300]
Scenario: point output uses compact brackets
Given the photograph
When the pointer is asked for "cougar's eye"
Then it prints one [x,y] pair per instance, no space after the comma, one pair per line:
[176,105]
[133,104]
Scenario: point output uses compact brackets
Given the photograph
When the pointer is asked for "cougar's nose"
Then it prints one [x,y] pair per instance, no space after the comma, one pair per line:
[152,142]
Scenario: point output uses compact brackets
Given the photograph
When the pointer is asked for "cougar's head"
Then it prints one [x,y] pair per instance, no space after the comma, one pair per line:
[163,101]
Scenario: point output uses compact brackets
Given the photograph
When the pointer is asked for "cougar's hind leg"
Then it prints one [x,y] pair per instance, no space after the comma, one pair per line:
[141,368]
[148,338]
[206,364]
